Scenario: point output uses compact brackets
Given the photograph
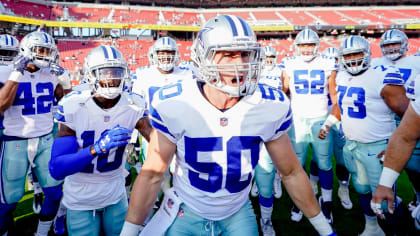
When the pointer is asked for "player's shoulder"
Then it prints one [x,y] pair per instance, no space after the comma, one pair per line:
[270,96]
[73,101]
[5,71]
[142,70]
[175,91]
[134,99]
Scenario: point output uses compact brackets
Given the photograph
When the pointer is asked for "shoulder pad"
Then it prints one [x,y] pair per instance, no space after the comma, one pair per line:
[73,101]
[135,98]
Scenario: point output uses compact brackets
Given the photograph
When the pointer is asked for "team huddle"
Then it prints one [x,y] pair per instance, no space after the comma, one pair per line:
[204,135]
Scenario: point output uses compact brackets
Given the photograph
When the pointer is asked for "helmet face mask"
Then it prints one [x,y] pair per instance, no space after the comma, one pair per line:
[394,44]
[236,77]
[306,44]
[40,48]
[355,55]
[107,71]
[165,54]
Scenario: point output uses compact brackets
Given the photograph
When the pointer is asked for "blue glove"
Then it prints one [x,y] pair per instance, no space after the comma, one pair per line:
[20,62]
[56,69]
[117,136]
[332,234]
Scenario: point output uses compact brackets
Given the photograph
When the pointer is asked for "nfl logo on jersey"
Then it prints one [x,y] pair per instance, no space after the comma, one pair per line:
[107,118]
[170,203]
[223,121]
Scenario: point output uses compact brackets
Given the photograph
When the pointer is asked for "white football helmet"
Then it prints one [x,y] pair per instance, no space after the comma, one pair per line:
[102,65]
[351,45]
[306,36]
[269,57]
[330,52]
[227,33]
[9,48]
[394,36]
[165,62]
[40,48]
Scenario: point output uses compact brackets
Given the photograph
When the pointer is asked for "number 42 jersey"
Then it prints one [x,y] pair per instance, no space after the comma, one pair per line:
[217,151]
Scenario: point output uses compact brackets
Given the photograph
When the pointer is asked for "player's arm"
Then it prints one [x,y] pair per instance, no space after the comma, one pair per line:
[333,118]
[144,127]
[9,89]
[296,182]
[395,97]
[285,79]
[59,92]
[146,187]
[67,159]
[7,95]
[398,152]
[332,87]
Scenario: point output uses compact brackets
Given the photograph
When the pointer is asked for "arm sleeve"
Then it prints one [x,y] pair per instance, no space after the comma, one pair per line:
[65,159]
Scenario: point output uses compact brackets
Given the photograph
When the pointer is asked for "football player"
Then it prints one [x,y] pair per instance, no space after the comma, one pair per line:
[394,46]
[27,97]
[308,77]
[9,48]
[163,70]
[399,151]
[267,182]
[216,135]
[367,97]
[338,141]
[89,148]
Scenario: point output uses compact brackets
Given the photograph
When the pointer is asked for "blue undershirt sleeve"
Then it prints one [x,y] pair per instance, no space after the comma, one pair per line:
[66,160]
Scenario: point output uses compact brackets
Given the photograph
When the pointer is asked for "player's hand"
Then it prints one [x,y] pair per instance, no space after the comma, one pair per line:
[117,136]
[20,62]
[64,80]
[381,156]
[56,69]
[382,194]
[323,132]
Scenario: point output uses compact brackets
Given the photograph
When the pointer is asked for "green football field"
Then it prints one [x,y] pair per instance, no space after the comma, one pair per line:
[346,222]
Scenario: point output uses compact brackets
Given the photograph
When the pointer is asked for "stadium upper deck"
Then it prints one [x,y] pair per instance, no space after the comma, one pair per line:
[180,16]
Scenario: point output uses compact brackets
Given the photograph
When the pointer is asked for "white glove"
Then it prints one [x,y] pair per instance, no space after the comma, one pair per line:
[64,80]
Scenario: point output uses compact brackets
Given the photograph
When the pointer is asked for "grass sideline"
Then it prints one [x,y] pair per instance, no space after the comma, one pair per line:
[346,222]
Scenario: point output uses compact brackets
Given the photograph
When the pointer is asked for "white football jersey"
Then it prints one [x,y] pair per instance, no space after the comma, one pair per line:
[217,151]
[408,66]
[308,84]
[149,79]
[271,77]
[31,113]
[101,183]
[415,102]
[3,67]
[365,116]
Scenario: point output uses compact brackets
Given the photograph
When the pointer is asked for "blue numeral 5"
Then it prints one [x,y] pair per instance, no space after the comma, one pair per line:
[271,94]
[317,78]
[359,103]
[214,171]
[102,165]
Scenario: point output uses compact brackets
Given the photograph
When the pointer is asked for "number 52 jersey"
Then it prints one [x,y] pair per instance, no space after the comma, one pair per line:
[217,151]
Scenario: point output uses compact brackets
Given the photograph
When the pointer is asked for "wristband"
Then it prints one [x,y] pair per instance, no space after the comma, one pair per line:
[388,177]
[15,76]
[131,229]
[330,121]
[320,223]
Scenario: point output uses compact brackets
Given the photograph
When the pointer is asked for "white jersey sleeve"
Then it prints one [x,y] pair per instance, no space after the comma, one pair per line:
[217,150]
[415,102]
[69,105]
[272,77]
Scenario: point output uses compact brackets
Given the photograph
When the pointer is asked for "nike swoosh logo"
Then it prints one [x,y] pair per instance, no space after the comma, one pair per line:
[369,155]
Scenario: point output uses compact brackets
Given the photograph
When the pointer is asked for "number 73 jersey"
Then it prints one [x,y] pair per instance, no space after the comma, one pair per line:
[365,116]
[217,151]
[308,84]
